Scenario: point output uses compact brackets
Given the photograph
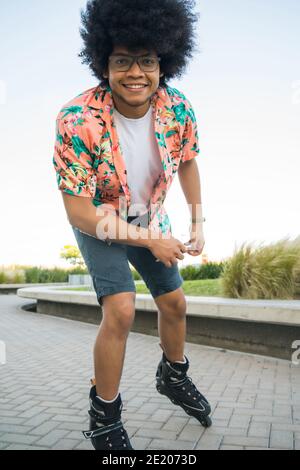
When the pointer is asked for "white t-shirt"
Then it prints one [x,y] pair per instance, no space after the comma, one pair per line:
[142,159]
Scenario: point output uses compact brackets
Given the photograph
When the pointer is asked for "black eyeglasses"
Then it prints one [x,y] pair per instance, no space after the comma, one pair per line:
[122,63]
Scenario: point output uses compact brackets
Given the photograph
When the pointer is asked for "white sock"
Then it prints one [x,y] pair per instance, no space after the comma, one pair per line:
[109,401]
[181,362]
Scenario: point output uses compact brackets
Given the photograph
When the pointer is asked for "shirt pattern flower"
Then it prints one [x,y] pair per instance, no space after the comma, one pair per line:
[88,160]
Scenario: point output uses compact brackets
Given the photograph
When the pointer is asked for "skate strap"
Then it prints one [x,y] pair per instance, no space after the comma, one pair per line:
[106,420]
[103,430]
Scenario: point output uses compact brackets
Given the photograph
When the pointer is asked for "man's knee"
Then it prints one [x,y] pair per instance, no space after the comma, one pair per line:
[119,311]
[173,305]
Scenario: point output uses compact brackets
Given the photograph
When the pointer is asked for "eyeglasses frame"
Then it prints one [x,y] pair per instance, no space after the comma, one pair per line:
[135,58]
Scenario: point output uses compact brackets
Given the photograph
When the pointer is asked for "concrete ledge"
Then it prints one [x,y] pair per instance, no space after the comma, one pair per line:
[265,327]
[12,288]
[284,312]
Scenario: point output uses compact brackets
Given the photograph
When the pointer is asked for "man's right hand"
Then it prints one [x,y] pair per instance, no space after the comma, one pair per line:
[167,250]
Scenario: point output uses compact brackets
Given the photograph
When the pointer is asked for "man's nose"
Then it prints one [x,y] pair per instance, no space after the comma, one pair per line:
[135,68]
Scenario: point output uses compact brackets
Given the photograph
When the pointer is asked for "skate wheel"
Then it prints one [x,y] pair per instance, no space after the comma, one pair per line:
[206,422]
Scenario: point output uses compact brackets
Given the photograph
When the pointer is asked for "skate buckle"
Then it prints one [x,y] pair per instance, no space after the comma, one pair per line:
[102,430]
[88,434]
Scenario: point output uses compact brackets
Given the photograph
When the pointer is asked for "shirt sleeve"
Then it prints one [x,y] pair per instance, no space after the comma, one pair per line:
[73,161]
[190,145]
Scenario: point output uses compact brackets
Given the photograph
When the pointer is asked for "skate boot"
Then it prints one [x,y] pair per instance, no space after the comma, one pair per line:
[106,428]
[172,381]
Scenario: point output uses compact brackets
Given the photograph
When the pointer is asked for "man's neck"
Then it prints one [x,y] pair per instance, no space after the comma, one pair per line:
[131,112]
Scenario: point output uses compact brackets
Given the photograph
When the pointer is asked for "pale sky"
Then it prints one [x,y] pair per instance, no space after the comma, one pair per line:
[245,89]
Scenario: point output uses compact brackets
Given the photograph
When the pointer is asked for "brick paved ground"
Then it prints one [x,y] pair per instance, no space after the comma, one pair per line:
[44,391]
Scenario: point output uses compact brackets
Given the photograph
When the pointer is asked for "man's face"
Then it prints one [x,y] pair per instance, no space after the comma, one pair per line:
[118,80]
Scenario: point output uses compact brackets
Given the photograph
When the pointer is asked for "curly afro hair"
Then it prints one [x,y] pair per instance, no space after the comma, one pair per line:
[167,26]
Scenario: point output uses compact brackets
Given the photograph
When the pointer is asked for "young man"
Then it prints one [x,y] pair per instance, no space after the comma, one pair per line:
[119,146]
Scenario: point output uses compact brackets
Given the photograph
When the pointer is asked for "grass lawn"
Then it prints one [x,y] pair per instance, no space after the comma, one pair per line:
[206,287]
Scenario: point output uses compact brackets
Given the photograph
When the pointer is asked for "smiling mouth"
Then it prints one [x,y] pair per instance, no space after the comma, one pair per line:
[135,88]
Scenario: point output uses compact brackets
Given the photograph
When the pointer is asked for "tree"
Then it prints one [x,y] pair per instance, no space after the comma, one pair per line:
[72,254]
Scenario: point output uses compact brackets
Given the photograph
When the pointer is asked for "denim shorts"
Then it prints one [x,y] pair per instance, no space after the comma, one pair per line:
[109,268]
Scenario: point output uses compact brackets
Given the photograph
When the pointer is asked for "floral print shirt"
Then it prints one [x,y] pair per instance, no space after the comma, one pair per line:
[88,159]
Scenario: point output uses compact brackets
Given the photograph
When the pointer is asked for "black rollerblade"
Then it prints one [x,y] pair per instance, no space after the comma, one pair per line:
[106,428]
[172,381]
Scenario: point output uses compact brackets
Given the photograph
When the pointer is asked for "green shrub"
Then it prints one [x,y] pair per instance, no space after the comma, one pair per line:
[266,272]
[16,274]
[297,281]
[43,275]
[135,275]
[204,271]
[13,274]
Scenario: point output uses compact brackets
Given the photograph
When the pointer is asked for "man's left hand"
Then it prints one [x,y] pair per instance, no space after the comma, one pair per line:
[196,240]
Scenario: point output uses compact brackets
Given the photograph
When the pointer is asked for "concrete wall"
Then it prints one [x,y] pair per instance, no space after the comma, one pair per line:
[248,336]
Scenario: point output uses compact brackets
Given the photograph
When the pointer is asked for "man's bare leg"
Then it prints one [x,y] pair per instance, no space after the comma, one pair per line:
[110,345]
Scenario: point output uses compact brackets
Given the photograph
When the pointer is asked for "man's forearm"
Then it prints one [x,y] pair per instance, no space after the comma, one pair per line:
[108,226]
[189,179]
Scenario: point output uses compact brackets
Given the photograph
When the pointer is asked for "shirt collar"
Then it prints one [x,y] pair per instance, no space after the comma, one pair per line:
[102,99]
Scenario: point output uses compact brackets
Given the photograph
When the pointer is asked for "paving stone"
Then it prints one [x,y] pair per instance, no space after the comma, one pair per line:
[52,438]
[255,400]
[44,428]
[65,444]
[282,439]
[246,441]
[231,448]
[209,442]
[164,444]
[25,447]
[13,438]
[140,443]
